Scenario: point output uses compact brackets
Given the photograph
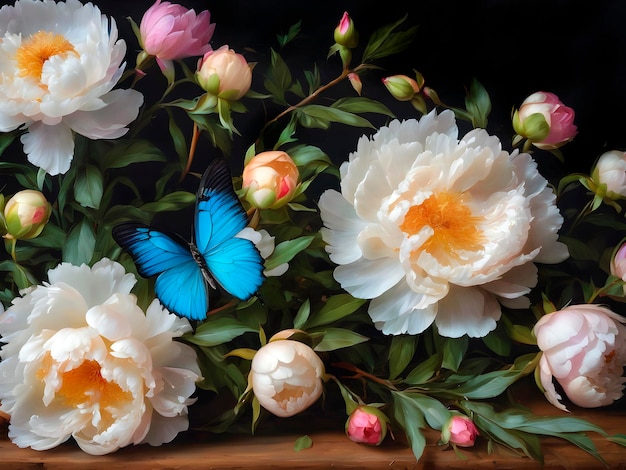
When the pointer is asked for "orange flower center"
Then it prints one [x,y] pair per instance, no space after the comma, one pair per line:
[85,384]
[37,49]
[455,228]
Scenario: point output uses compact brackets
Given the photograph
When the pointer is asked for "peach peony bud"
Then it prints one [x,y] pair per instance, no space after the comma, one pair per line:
[270,179]
[584,349]
[224,73]
[367,425]
[26,214]
[610,172]
[401,87]
[286,377]
[345,33]
[355,81]
[459,430]
[545,121]
[170,32]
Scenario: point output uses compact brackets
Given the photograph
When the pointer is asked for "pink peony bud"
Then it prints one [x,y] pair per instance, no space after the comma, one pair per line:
[401,87]
[345,33]
[610,174]
[270,179]
[584,349]
[224,73]
[367,425]
[26,214]
[355,81]
[545,121]
[618,264]
[459,430]
[170,32]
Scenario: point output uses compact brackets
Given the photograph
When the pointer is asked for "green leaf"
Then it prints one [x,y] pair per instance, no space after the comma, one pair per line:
[454,350]
[334,309]
[285,251]
[401,352]
[278,78]
[80,243]
[360,104]
[88,188]
[303,442]
[292,32]
[424,371]
[302,315]
[127,152]
[218,330]
[337,338]
[170,202]
[323,115]
[384,42]
[411,419]
[478,104]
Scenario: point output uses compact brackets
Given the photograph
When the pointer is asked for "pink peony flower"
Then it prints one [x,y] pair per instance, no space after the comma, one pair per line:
[459,430]
[610,171]
[545,121]
[618,264]
[170,32]
[584,349]
[366,425]
[345,33]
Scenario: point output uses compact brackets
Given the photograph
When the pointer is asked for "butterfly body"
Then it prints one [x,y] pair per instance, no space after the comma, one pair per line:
[186,271]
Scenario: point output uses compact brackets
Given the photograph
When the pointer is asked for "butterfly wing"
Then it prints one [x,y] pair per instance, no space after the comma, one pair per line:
[180,284]
[235,263]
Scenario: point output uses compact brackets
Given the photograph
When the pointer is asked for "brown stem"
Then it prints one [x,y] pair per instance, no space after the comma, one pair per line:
[358,373]
[192,150]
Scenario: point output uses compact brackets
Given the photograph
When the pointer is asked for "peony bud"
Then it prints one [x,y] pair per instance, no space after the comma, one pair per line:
[610,172]
[356,83]
[286,377]
[401,87]
[618,264]
[367,425]
[545,121]
[170,32]
[584,349]
[459,430]
[345,33]
[26,214]
[224,73]
[270,179]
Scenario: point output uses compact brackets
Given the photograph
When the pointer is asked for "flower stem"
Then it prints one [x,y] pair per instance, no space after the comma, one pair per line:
[358,373]
[192,150]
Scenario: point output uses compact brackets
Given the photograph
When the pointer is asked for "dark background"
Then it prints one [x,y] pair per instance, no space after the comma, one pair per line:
[576,49]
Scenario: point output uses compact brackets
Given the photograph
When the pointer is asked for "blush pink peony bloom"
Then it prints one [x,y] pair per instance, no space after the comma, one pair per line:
[366,425]
[170,32]
[618,264]
[545,121]
[584,349]
[459,430]
[224,73]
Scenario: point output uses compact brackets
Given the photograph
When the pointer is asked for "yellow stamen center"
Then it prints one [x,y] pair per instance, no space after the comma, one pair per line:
[37,49]
[85,385]
[454,226]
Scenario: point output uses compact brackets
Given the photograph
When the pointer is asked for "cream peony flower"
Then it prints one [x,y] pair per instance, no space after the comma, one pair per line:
[58,65]
[584,349]
[437,229]
[82,360]
[286,376]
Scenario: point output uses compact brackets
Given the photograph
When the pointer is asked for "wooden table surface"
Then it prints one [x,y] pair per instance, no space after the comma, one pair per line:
[331,449]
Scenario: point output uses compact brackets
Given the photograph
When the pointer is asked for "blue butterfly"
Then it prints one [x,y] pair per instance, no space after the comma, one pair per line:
[215,256]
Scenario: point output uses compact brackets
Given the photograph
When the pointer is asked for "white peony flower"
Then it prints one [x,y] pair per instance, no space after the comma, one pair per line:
[286,377]
[610,170]
[437,229]
[584,349]
[58,65]
[82,360]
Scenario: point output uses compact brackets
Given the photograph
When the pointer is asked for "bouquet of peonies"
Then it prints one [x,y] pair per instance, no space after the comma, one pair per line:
[411,282]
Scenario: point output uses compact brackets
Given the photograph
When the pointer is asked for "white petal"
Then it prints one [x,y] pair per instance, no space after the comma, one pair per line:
[467,311]
[49,147]
[121,108]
